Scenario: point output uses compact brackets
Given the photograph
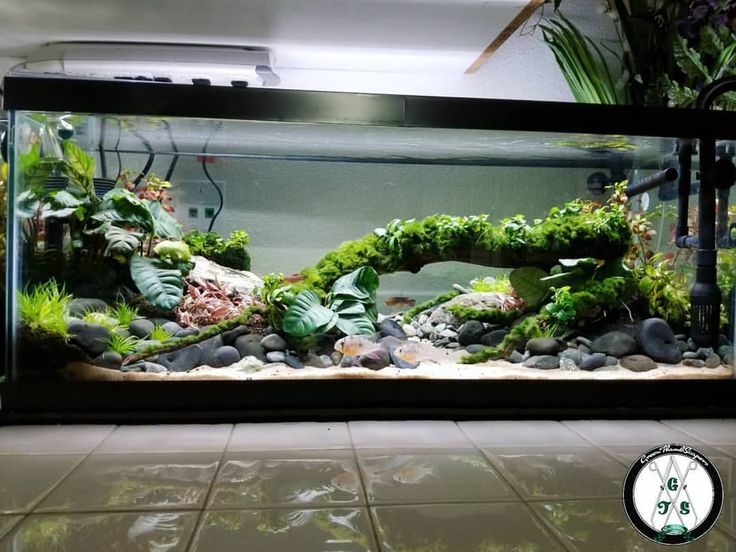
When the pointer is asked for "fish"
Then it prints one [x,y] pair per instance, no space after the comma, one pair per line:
[400,301]
[294,278]
[347,481]
[355,345]
[410,474]
[415,352]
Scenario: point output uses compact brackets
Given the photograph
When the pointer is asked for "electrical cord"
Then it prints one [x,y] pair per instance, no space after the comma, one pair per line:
[209,177]
[175,159]
[149,162]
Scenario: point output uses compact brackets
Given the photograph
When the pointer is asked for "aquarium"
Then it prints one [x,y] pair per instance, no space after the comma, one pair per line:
[169,233]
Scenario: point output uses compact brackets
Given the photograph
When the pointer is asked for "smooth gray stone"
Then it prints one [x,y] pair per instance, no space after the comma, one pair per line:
[181,360]
[109,359]
[293,361]
[712,361]
[141,328]
[611,360]
[249,347]
[79,306]
[596,360]
[209,347]
[703,352]
[540,346]
[694,362]
[171,328]
[93,338]
[229,337]
[274,342]
[448,333]
[573,354]
[638,363]
[153,368]
[683,346]
[584,341]
[493,338]
[688,355]
[657,341]
[475,348]
[347,361]
[275,356]
[391,327]
[226,355]
[542,362]
[470,333]
[584,349]
[375,360]
[616,343]
[515,357]
[186,332]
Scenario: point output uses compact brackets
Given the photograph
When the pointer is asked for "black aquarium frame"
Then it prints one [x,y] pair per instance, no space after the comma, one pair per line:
[142,402]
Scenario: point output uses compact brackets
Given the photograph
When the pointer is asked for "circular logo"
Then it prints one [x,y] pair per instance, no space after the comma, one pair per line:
[673,494]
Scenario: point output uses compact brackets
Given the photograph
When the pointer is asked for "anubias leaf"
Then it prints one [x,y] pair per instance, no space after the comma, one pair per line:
[359,285]
[160,284]
[164,225]
[527,281]
[121,242]
[124,208]
[306,316]
[355,325]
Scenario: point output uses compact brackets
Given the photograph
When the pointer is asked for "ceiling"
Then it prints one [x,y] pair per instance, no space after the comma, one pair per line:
[363,35]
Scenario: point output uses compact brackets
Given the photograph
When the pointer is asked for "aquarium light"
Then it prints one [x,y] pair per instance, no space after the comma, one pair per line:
[183,64]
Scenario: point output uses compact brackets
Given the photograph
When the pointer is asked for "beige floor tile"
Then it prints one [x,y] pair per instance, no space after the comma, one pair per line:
[259,479]
[597,525]
[290,436]
[129,532]
[530,433]
[341,530]
[52,439]
[7,522]
[108,482]
[711,431]
[436,434]
[26,479]
[629,432]
[408,477]
[461,528]
[559,472]
[167,438]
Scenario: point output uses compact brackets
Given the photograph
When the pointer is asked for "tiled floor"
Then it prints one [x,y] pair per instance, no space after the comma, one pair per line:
[414,486]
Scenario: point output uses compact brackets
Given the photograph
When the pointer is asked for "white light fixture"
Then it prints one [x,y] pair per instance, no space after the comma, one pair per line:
[187,64]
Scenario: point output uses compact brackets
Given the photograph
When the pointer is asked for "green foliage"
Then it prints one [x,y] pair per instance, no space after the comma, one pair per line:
[663,290]
[173,251]
[276,295]
[527,281]
[582,64]
[489,284]
[351,307]
[421,307]
[45,307]
[562,308]
[121,344]
[124,313]
[159,334]
[158,281]
[211,245]
[492,316]
[391,235]
[515,229]
[103,319]
[525,330]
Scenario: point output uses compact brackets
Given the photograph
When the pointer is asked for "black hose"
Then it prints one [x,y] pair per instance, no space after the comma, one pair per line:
[101,149]
[149,162]
[175,159]
[212,181]
[657,179]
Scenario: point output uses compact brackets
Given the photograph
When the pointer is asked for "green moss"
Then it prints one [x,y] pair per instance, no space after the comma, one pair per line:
[527,329]
[492,316]
[421,307]
[45,307]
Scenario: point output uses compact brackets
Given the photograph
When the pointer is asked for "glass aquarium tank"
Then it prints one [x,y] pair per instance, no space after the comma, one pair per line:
[172,233]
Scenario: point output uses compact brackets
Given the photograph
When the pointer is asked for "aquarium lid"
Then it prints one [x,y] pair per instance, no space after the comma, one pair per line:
[173,63]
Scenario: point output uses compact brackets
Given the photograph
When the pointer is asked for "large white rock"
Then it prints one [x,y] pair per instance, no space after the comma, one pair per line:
[241,281]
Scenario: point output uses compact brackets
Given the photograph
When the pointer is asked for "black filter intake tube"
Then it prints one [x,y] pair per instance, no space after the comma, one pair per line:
[685,163]
[653,181]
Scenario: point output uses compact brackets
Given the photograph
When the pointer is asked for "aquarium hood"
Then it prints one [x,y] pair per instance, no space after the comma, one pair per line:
[181,64]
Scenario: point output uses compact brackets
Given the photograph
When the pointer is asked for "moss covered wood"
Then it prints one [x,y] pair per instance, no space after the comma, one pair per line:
[570,232]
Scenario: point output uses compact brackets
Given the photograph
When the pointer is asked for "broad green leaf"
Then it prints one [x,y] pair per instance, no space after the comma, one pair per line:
[355,325]
[121,242]
[64,198]
[360,284]
[306,316]
[50,213]
[164,225]
[27,204]
[345,308]
[123,207]
[80,163]
[526,280]
[161,285]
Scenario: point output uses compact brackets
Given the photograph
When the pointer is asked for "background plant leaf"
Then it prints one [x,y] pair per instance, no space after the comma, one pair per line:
[306,315]
[160,284]
[526,280]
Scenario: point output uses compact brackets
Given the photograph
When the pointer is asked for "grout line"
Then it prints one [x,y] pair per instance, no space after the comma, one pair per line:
[205,503]
[371,522]
[13,525]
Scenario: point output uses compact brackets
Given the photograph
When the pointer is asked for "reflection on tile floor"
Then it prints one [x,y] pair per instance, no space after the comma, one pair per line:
[413,486]
[344,530]
[287,479]
[129,532]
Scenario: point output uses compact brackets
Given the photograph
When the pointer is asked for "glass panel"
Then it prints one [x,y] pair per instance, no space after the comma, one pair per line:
[515,239]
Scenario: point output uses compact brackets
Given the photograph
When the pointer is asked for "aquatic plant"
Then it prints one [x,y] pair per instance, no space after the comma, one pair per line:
[663,290]
[578,229]
[45,307]
[527,329]
[500,284]
[229,252]
[351,307]
[410,314]
[173,251]
[159,334]
[123,313]
[492,316]
[103,319]
[562,307]
[207,303]
[123,345]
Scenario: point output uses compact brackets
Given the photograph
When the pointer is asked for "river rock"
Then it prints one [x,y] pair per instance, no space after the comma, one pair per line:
[209,347]
[242,281]
[657,341]
[181,360]
[712,361]
[567,364]
[375,360]
[274,342]
[703,352]
[93,338]
[584,349]
[693,362]
[141,328]
[515,357]
[109,359]
[471,332]
[153,368]
[611,360]
[542,362]
[573,354]
[409,330]
[493,338]
[726,354]
[186,332]
[229,337]
[318,361]
[247,346]
[683,346]
[448,333]
[391,327]
[171,328]
[542,346]
[336,357]
[596,360]
[638,363]
[293,361]
[475,348]
[347,361]
[225,356]
[275,356]
[79,306]
[580,340]
[616,343]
